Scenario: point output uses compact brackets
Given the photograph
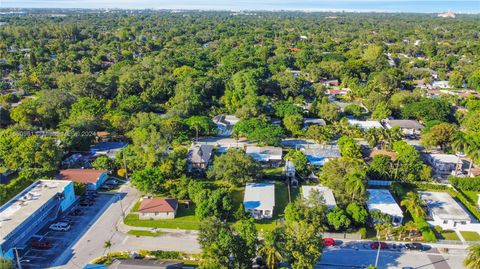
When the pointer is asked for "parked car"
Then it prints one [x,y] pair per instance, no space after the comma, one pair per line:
[66,219]
[414,246]
[328,242]
[41,245]
[91,193]
[86,202]
[111,182]
[60,226]
[107,187]
[76,212]
[374,245]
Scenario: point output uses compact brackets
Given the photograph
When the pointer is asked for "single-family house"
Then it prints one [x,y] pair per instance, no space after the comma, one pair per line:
[225,124]
[109,149]
[158,208]
[313,121]
[334,92]
[271,156]
[408,127]
[330,82]
[443,163]
[444,211]
[259,200]
[325,193]
[319,156]
[382,200]
[442,84]
[92,178]
[289,172]
[199,156]
[365,124]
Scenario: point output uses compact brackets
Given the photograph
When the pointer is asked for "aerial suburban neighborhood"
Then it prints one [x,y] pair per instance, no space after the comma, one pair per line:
[220,138]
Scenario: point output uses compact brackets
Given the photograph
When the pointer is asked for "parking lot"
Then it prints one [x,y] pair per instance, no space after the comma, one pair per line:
[62,240]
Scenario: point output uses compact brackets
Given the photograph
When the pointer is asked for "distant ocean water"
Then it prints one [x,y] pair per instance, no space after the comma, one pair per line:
[422,6]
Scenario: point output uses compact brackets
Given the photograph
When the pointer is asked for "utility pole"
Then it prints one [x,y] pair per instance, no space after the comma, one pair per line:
[19,264]
[378,250]
[125,165]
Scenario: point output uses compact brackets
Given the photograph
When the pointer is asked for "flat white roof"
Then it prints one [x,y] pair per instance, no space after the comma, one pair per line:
[444,158]
[442,205]
[325,192]
[381,199]
[365,124]
[264,153]
[27,202]
[259,196]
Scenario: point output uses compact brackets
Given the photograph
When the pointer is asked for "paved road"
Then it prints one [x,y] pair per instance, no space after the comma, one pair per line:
[91,244]
[345,258]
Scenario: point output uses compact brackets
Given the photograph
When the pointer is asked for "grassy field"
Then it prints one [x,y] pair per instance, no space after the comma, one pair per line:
[472,196]
[185,220]
[447,235]
[144,233]
[470,236]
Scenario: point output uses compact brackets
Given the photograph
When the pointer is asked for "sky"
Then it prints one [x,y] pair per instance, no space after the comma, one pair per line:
[423,6]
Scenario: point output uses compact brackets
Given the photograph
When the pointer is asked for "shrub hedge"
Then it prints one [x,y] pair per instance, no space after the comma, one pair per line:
[465,183]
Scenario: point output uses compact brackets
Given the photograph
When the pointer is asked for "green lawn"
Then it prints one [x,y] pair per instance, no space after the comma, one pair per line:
[472,196]
[144,233]
[185,220]
[470,236]
[447,235]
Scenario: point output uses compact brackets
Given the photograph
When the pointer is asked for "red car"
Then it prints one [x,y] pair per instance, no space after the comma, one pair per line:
[374,245]
[41,245]
[328,242]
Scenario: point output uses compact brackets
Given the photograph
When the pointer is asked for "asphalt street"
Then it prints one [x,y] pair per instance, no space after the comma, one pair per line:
[345,258]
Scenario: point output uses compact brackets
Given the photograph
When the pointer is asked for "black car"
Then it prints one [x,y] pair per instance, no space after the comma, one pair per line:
[91,193]
[76,212]
[414,246]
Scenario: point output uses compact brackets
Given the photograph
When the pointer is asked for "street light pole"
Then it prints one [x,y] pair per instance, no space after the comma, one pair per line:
[378,250]
[19,264]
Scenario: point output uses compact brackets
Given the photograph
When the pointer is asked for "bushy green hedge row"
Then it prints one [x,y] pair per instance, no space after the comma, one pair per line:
[461,197]
[466,183]
[110,257]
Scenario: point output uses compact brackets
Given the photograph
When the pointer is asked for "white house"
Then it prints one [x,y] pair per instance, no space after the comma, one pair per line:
[269,155]
[319,156]
[225,124]
[259,200]
[382,200]
[444,210]
[158,208]
[408,127]
[443,163]
[325,192]
[442,84]
[365,124]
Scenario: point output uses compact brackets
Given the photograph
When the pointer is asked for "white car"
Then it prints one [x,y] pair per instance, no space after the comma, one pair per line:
[60,226]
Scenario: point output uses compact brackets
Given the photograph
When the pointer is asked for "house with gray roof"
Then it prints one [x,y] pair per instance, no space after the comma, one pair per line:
[444,211]
[199,157]
[319,156]
[408,127]
[271,156]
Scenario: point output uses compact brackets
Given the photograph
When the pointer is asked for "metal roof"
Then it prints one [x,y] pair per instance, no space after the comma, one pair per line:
[259,196]
[381,199]
[442,205]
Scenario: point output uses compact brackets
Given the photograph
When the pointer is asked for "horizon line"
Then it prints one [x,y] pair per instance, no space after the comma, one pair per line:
[244,10]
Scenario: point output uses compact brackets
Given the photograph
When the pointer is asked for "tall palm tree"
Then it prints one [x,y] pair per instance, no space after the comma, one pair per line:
[473,151]
[354,185]
[413,203]
[473,258]
[461,145]
[270,250]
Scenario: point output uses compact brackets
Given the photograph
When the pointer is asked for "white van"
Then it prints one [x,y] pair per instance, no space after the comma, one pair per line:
[60,226]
